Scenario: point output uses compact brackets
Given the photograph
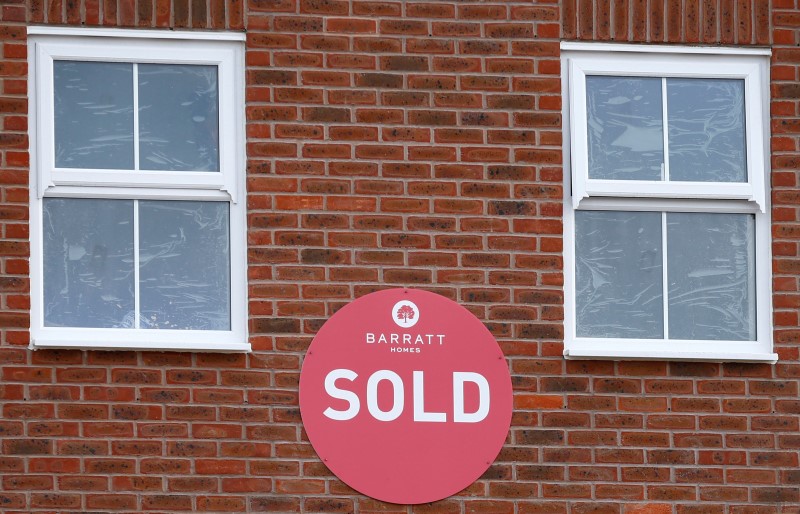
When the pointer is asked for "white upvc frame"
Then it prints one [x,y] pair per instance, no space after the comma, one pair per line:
[581,193]
[636,61]
[224,50]
[225,55]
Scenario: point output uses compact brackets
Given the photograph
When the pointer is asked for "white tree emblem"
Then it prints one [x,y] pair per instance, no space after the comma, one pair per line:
[405,313]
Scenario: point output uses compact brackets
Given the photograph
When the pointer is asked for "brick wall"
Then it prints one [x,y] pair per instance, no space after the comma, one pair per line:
[402,144]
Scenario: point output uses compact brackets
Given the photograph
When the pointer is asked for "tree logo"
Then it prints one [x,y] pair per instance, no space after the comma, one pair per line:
[405,314]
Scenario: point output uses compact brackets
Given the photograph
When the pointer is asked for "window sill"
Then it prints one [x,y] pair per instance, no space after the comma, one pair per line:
[153,345]
[656,354]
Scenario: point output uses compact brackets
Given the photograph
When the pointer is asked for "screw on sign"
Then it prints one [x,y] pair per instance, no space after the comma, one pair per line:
[406,396]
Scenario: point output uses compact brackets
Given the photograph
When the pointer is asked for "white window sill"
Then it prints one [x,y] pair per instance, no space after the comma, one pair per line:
[155,345]
[656,354]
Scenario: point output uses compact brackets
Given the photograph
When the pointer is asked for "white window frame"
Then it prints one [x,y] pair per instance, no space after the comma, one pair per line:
[224,50]
[582,193]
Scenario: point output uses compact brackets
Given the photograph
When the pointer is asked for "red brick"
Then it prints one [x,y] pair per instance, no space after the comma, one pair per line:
[406,143]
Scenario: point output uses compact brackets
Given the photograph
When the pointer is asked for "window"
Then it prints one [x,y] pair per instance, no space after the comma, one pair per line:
[667,249]
[137,194]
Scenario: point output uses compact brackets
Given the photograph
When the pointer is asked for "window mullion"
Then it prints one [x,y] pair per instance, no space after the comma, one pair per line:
[137,313]
[664,277]
[665,129]
[136,116]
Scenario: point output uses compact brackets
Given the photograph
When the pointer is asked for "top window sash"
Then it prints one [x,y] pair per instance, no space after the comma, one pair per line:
[749,67]
[226,56]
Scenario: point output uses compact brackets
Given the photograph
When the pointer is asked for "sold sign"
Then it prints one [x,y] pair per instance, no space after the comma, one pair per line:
[406,396]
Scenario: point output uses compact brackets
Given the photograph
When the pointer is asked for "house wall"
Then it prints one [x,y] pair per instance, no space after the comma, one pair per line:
[402,143]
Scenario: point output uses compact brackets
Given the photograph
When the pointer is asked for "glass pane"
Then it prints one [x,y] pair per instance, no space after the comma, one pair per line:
[93,115]
[711,276]
[88,263]
[626,138]
[618,274]
[178,117]
[184,265]
[706,130]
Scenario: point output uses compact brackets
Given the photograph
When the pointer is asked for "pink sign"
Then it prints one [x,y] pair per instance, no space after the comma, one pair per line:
[406,396]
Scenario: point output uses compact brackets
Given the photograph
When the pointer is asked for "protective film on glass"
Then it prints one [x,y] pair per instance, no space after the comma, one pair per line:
[711,270]
[706,130]
[178,117]
[625,128]
[184,265]
[88,263]
[618,289]
[93,103]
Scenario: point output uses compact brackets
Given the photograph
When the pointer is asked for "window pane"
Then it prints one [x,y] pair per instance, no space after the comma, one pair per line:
[706,130]
[178,117]
[626,138]
[93,115]
[88,263]
[711,276]
[184,269]
[619,274]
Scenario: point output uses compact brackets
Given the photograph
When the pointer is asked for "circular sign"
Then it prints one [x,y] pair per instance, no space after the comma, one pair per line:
[406,396]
